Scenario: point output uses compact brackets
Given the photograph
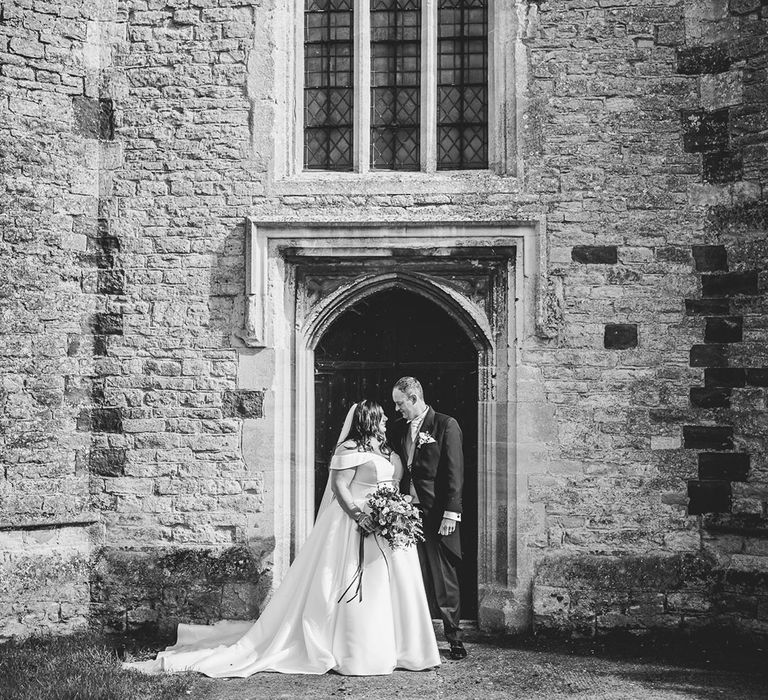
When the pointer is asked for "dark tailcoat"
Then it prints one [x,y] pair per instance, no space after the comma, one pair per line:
[437,472]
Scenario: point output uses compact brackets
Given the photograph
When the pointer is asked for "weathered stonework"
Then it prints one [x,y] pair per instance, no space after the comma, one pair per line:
[141,437]
[147,592]
[45,578]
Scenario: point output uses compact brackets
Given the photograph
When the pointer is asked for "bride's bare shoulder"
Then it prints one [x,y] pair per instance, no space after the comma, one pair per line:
[346,447]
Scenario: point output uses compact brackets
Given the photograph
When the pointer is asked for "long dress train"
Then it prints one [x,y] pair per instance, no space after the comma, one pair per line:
[304,628]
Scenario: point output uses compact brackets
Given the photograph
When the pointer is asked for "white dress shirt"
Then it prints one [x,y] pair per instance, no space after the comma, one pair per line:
[414,426]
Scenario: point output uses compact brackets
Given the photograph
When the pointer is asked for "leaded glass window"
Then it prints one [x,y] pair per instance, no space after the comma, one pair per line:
[462,85]
[395,84]
[328,84]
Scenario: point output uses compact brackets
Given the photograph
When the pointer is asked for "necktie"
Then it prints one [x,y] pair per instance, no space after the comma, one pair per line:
[409,444]
[405,482]
[410,450]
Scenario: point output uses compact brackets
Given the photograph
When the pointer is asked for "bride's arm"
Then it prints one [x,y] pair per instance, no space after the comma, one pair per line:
[340,481]
[397,463]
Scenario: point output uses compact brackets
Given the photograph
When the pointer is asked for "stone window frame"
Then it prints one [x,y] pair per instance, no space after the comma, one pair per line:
[506,71]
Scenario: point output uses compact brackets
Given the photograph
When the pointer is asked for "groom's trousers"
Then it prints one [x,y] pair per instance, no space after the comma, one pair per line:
[439,569]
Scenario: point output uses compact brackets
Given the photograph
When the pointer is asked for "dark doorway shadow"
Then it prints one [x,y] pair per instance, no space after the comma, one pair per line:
[385,336]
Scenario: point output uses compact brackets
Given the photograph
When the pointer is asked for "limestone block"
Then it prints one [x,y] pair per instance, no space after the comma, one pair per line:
[143,425]
[756,546]
[685,540]
[191,16]
[648,572]
[11,539]
[26,47]
[689,601]
[551,602]
[253,486]
[13,629]
[76,613]
[258,445]
[620,104]
[40,537]
[141,615]
[74,241]
[224,368]
[256,369]
[630,255]
[744,192]
[666,442]
[213,443]
[747,506]
[85,181]
[646,605]
[240,601]
[228,486]
[188,503]
[699,13]
[161,441]
[614,620]
[128,485]
[195,367]
[709,194]
[536,423]
[721,90]
[584,605]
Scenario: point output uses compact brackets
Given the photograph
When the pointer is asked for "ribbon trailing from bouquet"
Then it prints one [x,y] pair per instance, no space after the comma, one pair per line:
[357,578]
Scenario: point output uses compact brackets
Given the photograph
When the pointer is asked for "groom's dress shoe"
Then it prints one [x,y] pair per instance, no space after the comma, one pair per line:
[458,651]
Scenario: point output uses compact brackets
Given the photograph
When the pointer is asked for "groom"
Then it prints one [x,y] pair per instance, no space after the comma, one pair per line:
[429,445]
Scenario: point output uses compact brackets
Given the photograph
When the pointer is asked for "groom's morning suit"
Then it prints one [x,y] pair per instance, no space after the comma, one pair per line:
[434,462]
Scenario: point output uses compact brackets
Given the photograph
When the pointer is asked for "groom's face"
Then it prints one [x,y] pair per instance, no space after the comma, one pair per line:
[405,405]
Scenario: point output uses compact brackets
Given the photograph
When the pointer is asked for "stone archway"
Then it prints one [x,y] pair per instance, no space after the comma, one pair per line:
[312,273]
[374,342]
[319,313]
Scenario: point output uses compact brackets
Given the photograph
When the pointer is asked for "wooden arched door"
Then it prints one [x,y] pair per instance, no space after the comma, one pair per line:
[388,335]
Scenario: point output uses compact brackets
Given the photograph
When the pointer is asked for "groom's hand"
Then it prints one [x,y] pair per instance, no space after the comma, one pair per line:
[447,526]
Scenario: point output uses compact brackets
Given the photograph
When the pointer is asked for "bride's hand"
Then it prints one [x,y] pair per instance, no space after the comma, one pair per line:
[365,522]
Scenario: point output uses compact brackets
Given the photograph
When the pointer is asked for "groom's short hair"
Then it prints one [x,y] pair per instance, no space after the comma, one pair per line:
[409,385]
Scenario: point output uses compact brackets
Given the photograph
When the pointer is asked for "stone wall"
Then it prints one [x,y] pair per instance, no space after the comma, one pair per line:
[139,136]
[167,471]
[677,426]
[45,582]
[128,175]
[49,206]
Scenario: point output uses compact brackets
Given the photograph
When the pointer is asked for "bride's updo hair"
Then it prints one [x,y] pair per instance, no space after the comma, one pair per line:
[366,425]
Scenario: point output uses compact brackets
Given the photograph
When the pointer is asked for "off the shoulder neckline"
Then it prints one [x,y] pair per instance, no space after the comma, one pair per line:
[355,453]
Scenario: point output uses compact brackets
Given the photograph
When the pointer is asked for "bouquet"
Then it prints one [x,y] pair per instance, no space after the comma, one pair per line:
[397,521]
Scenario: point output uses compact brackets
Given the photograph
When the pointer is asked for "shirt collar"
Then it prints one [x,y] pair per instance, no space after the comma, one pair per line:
[420,418]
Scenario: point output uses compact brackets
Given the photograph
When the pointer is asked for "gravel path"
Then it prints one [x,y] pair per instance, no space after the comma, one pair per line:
[530,671]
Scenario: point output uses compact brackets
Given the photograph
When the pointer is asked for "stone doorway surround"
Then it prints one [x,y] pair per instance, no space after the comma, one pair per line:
[301,276]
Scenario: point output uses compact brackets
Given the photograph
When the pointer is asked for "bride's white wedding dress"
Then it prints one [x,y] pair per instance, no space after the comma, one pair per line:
[304,629]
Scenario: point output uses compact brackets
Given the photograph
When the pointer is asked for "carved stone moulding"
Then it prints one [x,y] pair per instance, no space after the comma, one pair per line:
[469,259]
[303,276]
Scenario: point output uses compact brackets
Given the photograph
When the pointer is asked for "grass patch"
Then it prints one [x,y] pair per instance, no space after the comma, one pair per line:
[81,667]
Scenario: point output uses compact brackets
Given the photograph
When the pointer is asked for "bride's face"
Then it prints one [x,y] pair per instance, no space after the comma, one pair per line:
[383,425]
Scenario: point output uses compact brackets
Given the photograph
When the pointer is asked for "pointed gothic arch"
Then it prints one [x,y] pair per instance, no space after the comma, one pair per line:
[468,315]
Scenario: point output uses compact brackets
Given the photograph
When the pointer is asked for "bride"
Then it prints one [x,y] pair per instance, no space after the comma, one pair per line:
[304,628]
